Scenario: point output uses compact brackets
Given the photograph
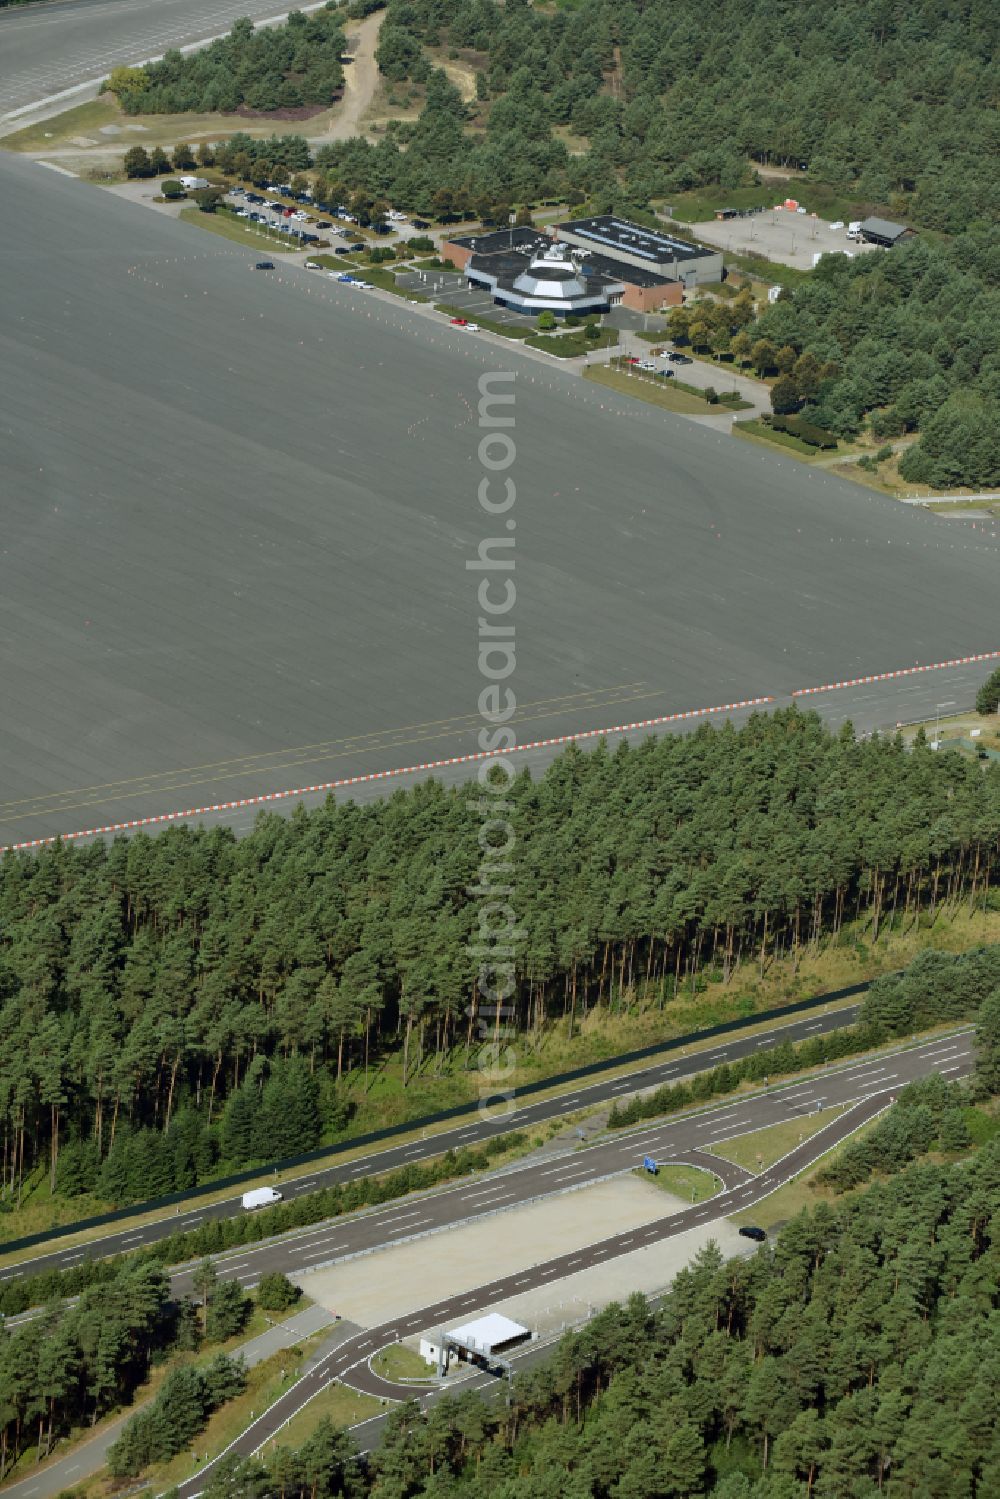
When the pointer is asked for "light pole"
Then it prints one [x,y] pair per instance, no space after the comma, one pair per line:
[937,721]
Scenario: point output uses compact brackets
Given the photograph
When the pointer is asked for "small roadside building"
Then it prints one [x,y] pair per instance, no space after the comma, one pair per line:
[876,231]
[482,1341]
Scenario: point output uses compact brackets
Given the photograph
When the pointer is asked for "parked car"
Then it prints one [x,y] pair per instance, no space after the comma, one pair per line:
[345,276]
[647,364]
[676,358]
[666,374]
[313,265]
[460,322]
[364,285]
[472,328]
[749,1231]
[323,224]
[264,265]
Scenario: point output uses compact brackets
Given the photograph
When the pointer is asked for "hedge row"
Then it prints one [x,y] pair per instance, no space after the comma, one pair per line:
[775,1062]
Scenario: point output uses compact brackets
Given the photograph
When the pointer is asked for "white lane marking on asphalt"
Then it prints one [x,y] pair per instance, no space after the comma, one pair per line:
[950,1069]
[814,1027]
[326,1250]
[301,1186]
[241,1266]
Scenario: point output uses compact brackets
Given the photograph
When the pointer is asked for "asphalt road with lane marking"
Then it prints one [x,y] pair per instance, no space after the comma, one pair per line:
[350,1360]
[469,1130]
[687,1138]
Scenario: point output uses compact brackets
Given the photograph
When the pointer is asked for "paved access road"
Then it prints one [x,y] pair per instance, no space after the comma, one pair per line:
[47,49]
[688,1138]
[874,1083]
[470,1130]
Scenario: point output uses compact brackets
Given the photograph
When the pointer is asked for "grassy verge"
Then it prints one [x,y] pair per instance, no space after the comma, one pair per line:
[344,1407]
[801,1192]
[504,329]
[398,1362]
[60,129]
[335,262]
[233,228]
[758,432]
[661,393]
[147,130]
[686,1182]
[266,1383]
[757,1151]
[572,345]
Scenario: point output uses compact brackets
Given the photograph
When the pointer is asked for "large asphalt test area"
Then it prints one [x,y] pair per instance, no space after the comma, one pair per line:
[47,49]
[239,505]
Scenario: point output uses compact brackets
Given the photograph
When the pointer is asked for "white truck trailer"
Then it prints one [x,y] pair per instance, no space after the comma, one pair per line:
[260,1197]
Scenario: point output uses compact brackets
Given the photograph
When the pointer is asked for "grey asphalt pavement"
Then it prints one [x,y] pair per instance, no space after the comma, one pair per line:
[686,1138]
[50,48]
[241,506]
[872,1084]
[671,1065]
[866,1086]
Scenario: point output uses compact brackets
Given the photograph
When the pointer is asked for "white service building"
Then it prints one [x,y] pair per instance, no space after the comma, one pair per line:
[483,1339]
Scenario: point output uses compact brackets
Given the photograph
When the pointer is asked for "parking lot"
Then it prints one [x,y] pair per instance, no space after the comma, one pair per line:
[290,219]
[780,234]
[471,302]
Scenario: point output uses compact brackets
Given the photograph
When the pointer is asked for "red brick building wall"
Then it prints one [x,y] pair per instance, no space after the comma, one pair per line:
[651,298]
[459,255]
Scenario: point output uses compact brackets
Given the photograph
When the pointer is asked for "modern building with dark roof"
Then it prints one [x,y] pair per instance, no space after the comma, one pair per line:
[650,250]
[545,277]
[876,231]
[518,267]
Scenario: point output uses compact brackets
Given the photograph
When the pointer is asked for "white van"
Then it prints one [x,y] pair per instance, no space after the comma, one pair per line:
[260,1197]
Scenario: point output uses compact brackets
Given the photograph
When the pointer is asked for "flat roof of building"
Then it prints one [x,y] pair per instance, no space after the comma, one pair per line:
[489,1332]
[490,241]
[884,228]
[509,263]
[621,234]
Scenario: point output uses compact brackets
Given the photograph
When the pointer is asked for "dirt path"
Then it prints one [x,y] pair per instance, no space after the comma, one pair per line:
[361,81]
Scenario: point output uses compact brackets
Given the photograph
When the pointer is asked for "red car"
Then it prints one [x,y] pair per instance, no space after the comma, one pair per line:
[287,212]
[460,322]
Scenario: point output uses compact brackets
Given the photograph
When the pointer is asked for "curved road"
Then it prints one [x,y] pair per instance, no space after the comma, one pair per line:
[864,1086]
[470,1129]
[687,1137]
[876,1081]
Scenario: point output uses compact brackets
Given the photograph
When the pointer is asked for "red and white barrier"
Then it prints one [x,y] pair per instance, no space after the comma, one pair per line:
[903,671]
[380,775]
